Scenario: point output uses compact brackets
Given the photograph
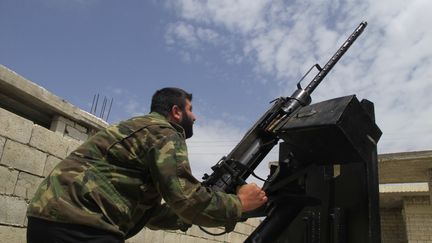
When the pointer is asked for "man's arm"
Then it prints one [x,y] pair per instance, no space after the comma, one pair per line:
[188,198]
[164,218]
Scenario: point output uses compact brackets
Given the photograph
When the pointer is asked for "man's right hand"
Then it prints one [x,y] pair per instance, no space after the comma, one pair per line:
[251,197]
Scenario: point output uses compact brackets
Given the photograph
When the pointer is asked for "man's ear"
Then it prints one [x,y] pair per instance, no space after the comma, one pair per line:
[176,113]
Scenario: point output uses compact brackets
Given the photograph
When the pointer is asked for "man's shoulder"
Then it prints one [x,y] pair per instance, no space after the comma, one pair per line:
[153,123]
[140,122]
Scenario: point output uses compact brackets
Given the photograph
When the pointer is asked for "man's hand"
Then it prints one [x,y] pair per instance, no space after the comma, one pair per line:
[251,197]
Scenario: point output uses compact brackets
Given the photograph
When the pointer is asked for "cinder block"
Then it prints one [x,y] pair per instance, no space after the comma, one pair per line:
[254,222]
[2,143]
[203,240]
[74,133]
[220,238]
[12,234]
[243,228]
[12,211]
[147,235]
[156,235]
[73,144]
[27,185]
[51,162]
[171,237]
[64,120]
[15,127]
[186,239]
[23,157]
[195,231]
[58,125]
[80,128]
[392,226]
[8,178]
[234,237]
[49,141]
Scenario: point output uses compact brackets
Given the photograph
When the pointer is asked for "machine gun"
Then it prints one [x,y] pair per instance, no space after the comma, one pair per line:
[285,186]
[232,170]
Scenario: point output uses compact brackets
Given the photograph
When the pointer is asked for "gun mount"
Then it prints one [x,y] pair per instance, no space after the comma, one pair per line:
[324,188]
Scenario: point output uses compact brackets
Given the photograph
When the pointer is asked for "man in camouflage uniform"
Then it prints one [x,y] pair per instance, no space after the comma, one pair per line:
[111,186]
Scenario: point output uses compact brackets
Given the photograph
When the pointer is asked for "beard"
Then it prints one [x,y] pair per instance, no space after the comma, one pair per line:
[187,124]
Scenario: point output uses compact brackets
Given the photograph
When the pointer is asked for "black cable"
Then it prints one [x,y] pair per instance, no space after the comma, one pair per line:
[210,233]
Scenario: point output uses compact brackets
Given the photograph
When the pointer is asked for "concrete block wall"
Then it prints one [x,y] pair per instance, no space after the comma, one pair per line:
[392,226]
[411,222]
[417,213]
[68,128]
[28,152]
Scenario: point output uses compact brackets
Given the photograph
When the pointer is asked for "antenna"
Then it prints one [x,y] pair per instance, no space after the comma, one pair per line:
[103,109]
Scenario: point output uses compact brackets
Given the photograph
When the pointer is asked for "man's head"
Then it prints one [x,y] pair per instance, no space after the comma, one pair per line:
[175,104]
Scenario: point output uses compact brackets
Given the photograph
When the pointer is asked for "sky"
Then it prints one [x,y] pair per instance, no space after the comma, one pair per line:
[235,56]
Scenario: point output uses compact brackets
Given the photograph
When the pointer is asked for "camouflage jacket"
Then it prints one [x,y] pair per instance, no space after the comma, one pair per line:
[115,181]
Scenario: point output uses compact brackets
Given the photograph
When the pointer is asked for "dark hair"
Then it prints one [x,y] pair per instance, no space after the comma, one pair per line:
[164,99]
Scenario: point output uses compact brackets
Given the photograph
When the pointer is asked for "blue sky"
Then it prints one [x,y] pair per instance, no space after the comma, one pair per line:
[79,48]
[234,56]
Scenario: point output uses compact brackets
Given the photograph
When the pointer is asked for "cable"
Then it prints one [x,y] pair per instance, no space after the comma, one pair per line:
[214,234]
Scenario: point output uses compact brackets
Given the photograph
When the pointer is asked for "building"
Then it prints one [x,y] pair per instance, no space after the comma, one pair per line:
[405,196]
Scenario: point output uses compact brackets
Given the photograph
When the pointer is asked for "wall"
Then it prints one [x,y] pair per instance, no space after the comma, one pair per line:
[418,219]
[392,226]
[195,235]
[411,223]
[405,193]
[28,152]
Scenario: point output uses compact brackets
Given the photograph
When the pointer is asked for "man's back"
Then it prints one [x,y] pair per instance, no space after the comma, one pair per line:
[105,183]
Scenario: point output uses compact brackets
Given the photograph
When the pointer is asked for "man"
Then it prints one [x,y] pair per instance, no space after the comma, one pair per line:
[111,186]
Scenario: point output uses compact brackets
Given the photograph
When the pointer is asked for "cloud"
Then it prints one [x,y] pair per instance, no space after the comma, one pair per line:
[211,140]
[134,107]
[189,35]
[390,64]
[188,40]
[237,15]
